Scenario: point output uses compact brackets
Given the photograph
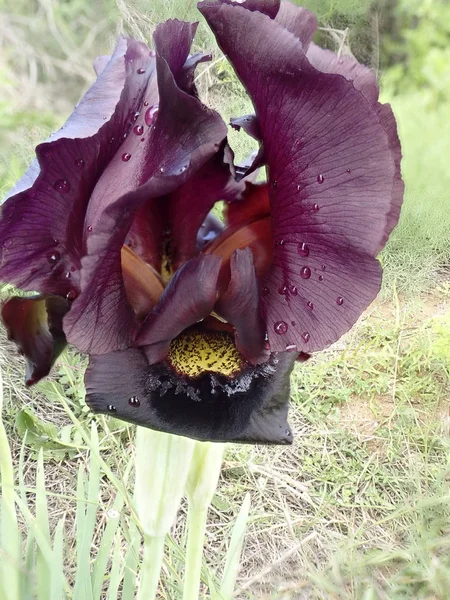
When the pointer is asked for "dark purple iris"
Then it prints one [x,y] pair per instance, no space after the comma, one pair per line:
[193,326]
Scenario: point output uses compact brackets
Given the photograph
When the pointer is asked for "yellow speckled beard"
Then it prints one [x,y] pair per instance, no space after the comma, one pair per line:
[196,352]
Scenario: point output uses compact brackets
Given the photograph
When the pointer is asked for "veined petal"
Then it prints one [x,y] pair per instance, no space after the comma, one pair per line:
[143,285]
[182,139]
[43,229]
[331,180]
[189,298]
[239,305]
[35,325]
[252,408]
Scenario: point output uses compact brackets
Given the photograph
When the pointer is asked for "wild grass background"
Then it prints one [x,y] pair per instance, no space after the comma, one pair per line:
[358,508]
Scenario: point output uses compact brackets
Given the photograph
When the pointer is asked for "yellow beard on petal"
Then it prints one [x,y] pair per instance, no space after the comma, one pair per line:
[195,352]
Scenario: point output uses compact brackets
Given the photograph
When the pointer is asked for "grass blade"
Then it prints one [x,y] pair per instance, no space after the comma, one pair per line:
[233,559]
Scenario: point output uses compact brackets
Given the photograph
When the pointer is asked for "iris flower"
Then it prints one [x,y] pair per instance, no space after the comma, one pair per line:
[192,326]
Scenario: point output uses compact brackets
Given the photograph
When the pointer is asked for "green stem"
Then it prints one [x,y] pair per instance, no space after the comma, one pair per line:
[151,566]
[194,551]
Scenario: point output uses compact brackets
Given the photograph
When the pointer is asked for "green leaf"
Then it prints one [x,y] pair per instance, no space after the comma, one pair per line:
[233,558]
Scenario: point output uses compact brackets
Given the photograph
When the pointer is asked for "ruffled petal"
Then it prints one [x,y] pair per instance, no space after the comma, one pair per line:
[189,298]
[251,409]
[239,305]
[43,229]
[35,325]
[331,178]
[183,137]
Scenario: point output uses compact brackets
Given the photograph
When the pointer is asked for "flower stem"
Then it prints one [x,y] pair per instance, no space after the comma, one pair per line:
[151,566]
[194,551]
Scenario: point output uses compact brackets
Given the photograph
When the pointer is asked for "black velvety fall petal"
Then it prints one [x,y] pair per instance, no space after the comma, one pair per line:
[35,325]
[332,179]
[251,408]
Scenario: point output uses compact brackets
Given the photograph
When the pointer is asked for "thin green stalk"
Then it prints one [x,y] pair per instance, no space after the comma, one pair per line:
[151,566]
[194,551]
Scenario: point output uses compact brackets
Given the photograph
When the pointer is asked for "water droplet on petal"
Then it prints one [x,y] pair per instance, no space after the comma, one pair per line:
[111,140]
[305,336]
[161,169]
[316,207]
[320,178]
[134,401]
[89,229]
[265,291]
[293,290]
[339,300]
[310,305]
[283,290]
[280,327]
[126,156]
[79,163]
[305,273]
[323,267]
[71,295]
[303,249]
[62,186]
[349,170]
[275,183]
[293,323]
[111,408]
[68,275]
[140,71]
[135,116]
[151,114]
[299,187]
[138,130]
[291,347]
[146,103]
[320,277]
[8,243]
[53,257]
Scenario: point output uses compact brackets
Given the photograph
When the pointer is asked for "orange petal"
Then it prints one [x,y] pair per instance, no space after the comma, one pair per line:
[255,205]
[143,285]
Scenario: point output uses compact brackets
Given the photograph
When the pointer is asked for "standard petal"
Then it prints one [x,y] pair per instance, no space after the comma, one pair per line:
[331,178]
[35,325]
[189,298]
[183,138]
[43,229]
[251,409]
[239,305]
[299,21]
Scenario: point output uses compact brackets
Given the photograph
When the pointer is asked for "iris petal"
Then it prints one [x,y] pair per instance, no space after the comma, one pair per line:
[43,229]
[331,180]
[189,298]
[253,408]
[35,325]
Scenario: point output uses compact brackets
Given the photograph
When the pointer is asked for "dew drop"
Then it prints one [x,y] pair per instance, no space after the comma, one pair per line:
[339,300]
[320,178]
[161,169]
[283,290]
[71,295]
[305,273]
[68,275]
[134,401]
[8,243]
[111,408]
[79,163]
[182,169]
[140,71]
[349,170]
[291,347]
[280,327]
[310,305]
[62,186]
[305,336]
[303,249]
[293,323]
[265,291]
[89,229]
[299,187]
[316,207]
[323,267]
[280,243]
[142,139]
[275,183]
[53,257]
[138,129]
[135,116]
[111,140]
[126,156]
[293,290]
[151,114]
[146,103]
[320,277]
